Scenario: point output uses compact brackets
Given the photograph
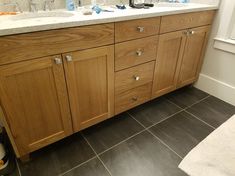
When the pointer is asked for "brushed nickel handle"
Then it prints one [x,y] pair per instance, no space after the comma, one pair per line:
[139,52]
[58,60]
[134,98]
[69,58]
[191,32]
[140,29]
[137,78]
[186,32]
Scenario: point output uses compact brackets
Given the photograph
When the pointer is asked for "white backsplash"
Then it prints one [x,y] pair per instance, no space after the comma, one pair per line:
[60,4]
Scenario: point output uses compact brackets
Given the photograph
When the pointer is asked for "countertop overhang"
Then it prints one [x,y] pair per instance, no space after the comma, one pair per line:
[8,26]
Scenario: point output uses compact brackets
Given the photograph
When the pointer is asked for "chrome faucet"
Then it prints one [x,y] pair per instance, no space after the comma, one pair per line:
[32,6]
[14,4]
[48,4]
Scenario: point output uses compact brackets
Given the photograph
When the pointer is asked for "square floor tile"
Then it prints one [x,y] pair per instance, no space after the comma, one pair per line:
[154,111]
[181,132]
[112,131]
[58,158]
[142,155]
[186,96]
[92,168]
[213,111]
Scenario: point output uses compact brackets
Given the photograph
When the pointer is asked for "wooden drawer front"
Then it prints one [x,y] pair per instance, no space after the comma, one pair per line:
[135,52]
[132,98]
[38,44]
[134,29]
[183,21]
[134,77]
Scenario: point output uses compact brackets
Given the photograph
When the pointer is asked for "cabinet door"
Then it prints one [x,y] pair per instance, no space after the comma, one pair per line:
[169,52]
[34,98]
[193,55]
[90,79]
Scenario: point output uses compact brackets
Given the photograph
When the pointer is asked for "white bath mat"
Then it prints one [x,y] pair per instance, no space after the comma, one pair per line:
[215,155]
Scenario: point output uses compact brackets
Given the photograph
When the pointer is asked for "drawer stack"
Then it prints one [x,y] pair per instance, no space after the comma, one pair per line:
[135,54]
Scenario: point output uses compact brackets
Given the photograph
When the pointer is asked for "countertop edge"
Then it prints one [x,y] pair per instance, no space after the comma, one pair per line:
[37,28]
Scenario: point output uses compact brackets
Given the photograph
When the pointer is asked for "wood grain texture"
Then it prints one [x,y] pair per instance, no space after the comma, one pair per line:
[39,44]
[170,51]
[189,20]
[133,97]
[128,30]
[90,79]
[126,53]
[125,79]
[34,97]
[193,56]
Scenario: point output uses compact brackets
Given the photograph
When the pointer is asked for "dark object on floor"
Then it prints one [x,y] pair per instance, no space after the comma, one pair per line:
[11,166]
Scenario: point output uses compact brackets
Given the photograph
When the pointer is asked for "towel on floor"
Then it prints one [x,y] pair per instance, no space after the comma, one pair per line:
[215,155]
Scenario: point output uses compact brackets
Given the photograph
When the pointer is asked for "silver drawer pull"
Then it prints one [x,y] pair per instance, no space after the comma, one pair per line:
[191,32]
[69,58]
[58,60]
[137,78]
[186,32]
[140,29]
[139,52]
[134,98]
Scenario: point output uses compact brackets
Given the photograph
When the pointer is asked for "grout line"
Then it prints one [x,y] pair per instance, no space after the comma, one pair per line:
[18,167]
[121,142]
[199,119]
[147,129]
[77,166]
[173,103]
[191,104]
[163,119]
[185,109]
[165,144]
[96,154]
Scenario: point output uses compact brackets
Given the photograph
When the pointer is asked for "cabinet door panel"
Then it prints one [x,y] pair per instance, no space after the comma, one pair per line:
[34,97]
[193,55]
[169,52]
[90,78]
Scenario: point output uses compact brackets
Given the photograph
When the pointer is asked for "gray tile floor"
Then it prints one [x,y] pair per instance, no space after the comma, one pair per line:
[149,140]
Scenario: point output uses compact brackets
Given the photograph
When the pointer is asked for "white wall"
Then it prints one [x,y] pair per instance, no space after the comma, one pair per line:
[218,71]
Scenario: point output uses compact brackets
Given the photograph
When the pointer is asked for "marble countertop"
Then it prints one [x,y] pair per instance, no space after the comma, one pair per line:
[13,25]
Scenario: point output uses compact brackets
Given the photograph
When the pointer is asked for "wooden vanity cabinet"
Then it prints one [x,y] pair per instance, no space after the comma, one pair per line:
[90,79]
[35,102]
[169,53]
[55,83]
[179,59]
[192,58]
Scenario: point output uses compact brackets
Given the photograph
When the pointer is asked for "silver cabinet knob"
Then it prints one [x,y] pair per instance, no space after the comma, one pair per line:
[137,78]
[140,29]
[186,32]
[69,58]
[134,98]
[58,60]
[191,32]
[139,52]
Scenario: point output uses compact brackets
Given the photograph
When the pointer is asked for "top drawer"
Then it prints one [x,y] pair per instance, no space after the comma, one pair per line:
[184,21]
[39,44]
[128,30]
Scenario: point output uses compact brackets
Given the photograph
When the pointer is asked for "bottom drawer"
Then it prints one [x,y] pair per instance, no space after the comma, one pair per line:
[133,97]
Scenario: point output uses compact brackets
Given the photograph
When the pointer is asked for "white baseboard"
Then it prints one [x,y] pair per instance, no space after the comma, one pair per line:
[216,88]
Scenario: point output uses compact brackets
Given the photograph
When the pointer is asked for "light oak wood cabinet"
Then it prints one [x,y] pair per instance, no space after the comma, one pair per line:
[179,60]
[89,75]
[35,101]
[192,59]
[170,51]
[57,82]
